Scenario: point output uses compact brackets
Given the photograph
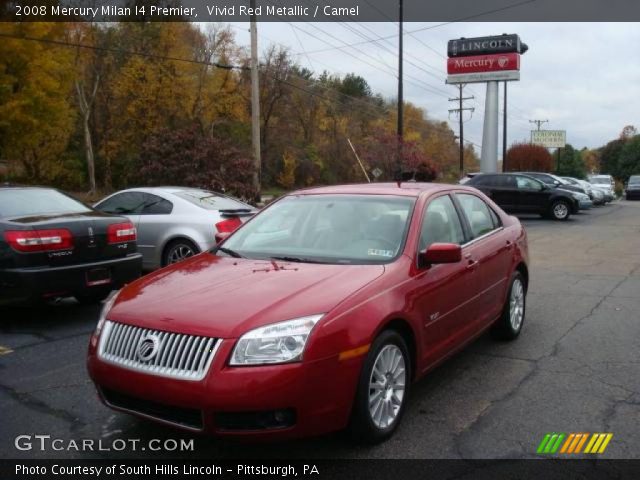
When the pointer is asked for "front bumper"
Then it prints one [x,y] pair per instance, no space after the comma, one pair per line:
[632,194]
[585,204]
[20,285]
[315,396]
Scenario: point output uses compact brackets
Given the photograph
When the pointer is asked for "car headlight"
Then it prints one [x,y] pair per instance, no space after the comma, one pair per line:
[106,307]
[580,196]
[281,342]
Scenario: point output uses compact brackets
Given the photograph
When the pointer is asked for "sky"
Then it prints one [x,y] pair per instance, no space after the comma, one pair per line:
[582,77]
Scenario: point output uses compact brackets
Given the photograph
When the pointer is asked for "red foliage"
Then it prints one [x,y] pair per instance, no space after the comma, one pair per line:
[527,157]
[381,151]
[187,157]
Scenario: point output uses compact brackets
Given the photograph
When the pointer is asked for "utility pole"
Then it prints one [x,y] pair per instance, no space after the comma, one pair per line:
[255,105]
[459,111]
[400,131]
[504,130]
[539,122]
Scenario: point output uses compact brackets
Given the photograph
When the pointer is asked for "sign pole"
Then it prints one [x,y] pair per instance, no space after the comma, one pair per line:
[504,131]
[489,157]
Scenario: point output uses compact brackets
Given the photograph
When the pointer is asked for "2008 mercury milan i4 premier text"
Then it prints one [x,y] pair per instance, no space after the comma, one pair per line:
[317,314]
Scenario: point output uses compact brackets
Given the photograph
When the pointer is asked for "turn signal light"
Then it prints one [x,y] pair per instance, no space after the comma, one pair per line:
[121,232]
[228,225]
[39,240]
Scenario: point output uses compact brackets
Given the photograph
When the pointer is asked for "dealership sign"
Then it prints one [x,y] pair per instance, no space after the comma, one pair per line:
[463,47]
[483,63]
[501,76]
[549,138]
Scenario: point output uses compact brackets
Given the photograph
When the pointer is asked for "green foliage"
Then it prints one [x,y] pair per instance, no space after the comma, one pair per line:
[629,160]
[571,163]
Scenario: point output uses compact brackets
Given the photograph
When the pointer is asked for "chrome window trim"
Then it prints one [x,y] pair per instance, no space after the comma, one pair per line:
[482,237]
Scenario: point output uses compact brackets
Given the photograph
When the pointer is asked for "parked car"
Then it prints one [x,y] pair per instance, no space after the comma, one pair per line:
[53,246]
[594,194]
[558,182]
[519,193]
[606,184]
[317,314]
[175,223]
[632,190]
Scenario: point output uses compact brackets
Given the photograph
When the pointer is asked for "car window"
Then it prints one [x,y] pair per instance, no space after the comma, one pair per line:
[349,229]
[155,205]
[130,203]
[484,180]
[21,202]
[440,223]
[478,214]
[211,200]
[634,180]
[526,183]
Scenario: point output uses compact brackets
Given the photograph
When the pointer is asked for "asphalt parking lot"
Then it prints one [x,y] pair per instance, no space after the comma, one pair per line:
[575,367]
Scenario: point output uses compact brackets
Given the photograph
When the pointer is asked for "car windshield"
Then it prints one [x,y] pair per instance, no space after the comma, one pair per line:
[23,202]
[345,229]
[211,200]
[600,180]
[634,180]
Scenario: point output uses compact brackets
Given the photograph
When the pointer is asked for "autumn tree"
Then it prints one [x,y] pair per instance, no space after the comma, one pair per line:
[522,157]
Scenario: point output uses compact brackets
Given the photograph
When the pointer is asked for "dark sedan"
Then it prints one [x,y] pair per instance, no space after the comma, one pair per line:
[518,193]
[632,190]
[53,246]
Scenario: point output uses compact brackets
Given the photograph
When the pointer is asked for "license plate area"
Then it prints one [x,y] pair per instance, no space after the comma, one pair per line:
[98,276]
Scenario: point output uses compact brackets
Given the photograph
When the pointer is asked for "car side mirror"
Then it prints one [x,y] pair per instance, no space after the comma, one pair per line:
[556,183]
[440,253]
[221,236]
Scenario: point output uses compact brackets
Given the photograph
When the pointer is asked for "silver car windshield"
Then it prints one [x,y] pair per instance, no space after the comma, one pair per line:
[634,180]
[349,229]
[600,180]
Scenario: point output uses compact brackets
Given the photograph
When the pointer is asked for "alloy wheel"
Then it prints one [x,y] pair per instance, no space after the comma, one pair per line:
[560,211]
[387,386]
[516,305]
[179,253]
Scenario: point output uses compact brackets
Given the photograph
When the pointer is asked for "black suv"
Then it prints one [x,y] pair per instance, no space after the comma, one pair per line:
[518,193]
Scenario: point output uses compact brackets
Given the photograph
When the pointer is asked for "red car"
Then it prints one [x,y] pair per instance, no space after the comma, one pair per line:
[317,314]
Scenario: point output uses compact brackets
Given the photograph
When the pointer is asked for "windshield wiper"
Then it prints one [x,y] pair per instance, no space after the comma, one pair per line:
[228,251]
[296,259]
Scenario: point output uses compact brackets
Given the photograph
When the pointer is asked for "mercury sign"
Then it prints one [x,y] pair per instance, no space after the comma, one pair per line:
[549,138]
[483,63]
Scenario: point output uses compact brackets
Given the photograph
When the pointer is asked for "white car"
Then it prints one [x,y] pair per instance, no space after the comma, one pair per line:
[174,223]
[606,184]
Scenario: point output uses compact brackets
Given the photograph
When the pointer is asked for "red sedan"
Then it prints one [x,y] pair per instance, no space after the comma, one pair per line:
[317,314]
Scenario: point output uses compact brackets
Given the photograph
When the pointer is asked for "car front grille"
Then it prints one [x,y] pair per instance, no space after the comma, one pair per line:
[173,355]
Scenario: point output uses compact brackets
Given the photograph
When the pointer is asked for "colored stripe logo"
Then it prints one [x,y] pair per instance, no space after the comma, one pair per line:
[574,443]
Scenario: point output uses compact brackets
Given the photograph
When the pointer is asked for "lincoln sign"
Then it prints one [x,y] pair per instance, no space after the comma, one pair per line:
[464,47]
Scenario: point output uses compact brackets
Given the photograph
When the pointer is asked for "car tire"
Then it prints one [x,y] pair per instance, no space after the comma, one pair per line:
[91,298]
[375,421]
[560,210]
[509,325]
[178,250]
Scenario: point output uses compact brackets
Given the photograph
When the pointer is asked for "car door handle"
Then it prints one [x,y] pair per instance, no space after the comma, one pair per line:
[472,264]
[509,244]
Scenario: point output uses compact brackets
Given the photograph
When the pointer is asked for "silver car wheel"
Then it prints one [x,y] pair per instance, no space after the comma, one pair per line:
[516,305]
[179,252]
[387,386]
[560,211]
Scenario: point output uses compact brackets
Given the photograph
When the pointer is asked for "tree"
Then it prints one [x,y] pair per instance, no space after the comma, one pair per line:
[630,158]
[591,160]
[529,157]
[570,163]
[610,156]
[189,157]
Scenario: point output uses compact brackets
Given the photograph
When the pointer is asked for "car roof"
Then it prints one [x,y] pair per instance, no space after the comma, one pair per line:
[405,189]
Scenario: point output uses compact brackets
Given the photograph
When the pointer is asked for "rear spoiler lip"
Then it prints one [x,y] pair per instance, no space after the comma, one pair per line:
[236,212]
